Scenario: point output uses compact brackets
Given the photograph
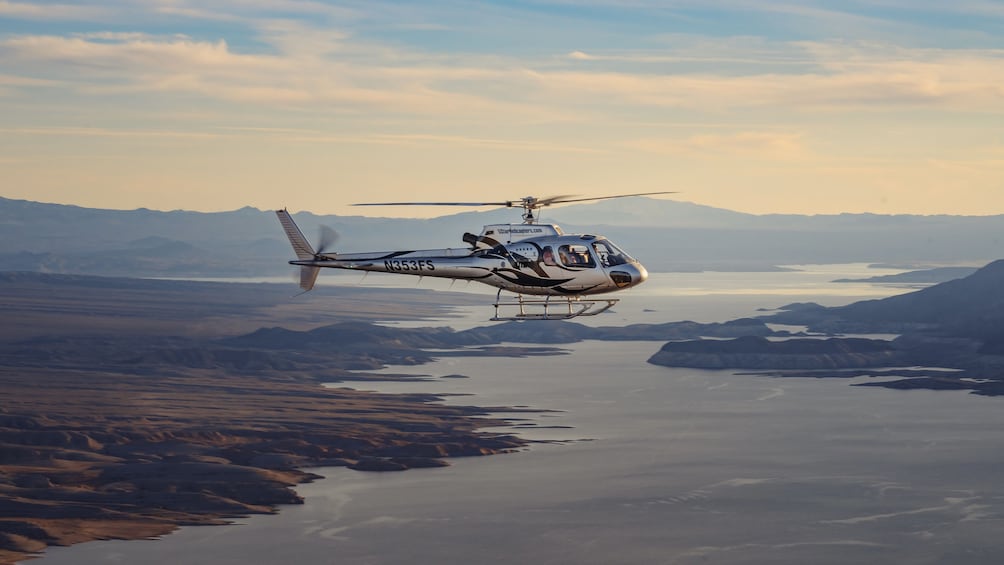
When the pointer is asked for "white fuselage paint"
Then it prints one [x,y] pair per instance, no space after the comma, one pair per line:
[554,265]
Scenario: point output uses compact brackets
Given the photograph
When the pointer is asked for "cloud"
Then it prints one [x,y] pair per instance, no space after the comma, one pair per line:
[299,135]
[293,65]
[311,69]
[754,144]
[52,12]
[122,56]
[9,80]
[464,141]
[843,76]
[331,70]
[249,12]
[106,132]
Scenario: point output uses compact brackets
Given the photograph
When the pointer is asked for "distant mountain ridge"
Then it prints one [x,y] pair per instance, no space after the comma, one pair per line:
[925,276]
[666,235]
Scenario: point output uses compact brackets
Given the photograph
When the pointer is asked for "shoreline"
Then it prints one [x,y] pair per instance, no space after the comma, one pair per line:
[70,477]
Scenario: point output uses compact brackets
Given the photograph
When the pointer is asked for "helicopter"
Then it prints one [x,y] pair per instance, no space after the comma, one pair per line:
[553,275]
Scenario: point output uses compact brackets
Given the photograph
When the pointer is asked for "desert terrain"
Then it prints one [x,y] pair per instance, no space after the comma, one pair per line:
[128,408]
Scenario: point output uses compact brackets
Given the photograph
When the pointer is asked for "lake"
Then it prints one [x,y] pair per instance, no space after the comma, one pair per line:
[643,464]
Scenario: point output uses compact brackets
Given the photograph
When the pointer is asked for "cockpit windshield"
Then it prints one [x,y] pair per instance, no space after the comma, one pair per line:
[609,254]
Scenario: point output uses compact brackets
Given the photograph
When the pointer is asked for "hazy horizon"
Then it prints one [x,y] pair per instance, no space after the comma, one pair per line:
[434,212]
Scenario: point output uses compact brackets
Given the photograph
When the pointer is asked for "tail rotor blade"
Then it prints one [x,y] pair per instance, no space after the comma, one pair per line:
[328,238]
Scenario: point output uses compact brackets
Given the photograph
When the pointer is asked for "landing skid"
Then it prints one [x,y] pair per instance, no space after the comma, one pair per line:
[564,307]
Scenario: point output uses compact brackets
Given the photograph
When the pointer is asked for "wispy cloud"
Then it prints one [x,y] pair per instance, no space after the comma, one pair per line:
[463,141]
[318,68]
[53,11]
[756,144]
[299,135]
[106,132]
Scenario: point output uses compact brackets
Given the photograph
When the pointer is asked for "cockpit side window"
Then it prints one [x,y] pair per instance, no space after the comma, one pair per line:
[575,256]
[609,254]
[547,255]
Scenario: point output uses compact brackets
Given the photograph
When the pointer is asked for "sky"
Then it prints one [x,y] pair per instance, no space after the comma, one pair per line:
[760,106]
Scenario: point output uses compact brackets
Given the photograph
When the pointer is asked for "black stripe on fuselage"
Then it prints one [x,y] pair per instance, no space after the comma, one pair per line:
[524,279]
[576,291]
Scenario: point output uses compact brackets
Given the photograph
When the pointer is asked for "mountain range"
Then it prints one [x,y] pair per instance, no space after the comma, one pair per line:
[666,235]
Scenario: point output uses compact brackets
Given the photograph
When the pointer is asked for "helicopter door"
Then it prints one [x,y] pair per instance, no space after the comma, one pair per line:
[576,256]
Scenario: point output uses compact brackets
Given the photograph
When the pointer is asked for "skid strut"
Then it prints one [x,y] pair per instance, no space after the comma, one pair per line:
[562,308]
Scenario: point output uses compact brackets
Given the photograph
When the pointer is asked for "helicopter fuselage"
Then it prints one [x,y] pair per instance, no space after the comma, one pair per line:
[525,259]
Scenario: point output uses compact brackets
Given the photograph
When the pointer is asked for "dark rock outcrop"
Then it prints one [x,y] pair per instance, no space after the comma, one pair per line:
[759,353]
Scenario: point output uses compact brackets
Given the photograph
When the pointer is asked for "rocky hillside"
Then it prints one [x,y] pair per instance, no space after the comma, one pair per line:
[971,307]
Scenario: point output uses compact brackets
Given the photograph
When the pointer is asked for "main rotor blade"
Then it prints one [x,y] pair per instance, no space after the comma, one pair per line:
[541,202]
[528,202]
[563,199]
[510,203]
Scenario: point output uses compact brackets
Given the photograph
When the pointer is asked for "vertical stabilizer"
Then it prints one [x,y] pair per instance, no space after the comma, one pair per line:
[300,245]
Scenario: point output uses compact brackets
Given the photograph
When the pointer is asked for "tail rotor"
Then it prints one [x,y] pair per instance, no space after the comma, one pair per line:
[328,238]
